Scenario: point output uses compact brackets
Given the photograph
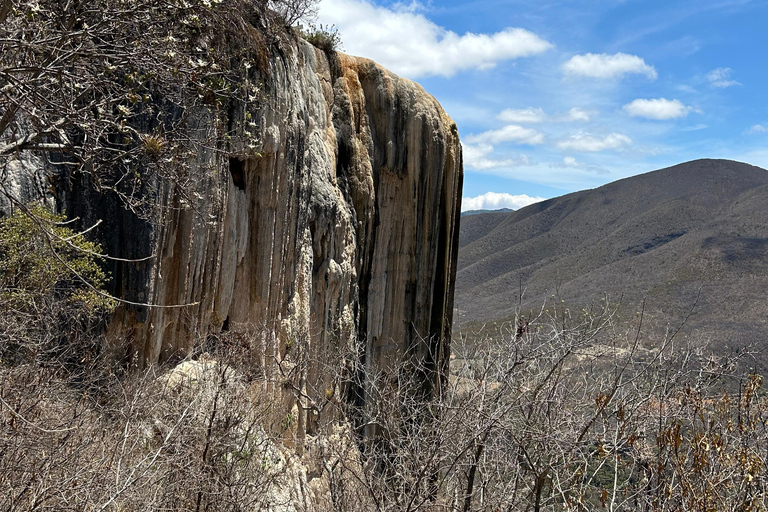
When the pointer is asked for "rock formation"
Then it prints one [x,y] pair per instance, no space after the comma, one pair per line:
[342,229]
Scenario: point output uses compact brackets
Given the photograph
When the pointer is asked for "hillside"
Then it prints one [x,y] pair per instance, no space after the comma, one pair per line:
[659,237]
[468,213]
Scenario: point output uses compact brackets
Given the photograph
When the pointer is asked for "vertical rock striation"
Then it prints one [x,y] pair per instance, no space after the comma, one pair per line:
[342,229]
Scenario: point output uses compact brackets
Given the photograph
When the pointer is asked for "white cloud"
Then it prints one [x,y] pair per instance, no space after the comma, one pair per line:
[659,109]
[577,114]
[606,66]
[537,115]
[411,45]
[569,161]
[756,128]
[496,201]
[414,6]
[720,78]
[509,133]
[476,157]
[586,142]
[526,115]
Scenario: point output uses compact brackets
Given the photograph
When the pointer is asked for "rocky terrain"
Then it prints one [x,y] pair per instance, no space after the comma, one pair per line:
[329,224]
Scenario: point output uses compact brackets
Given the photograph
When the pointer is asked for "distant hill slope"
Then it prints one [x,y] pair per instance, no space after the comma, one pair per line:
[658,237]
[468,213]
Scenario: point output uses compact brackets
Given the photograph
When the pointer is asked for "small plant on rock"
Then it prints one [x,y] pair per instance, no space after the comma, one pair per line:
[324,37]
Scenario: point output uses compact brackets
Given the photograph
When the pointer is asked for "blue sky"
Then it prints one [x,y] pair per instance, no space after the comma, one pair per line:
[556,96]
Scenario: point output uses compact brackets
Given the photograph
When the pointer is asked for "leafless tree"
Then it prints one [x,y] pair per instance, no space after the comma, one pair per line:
[577,413]
[294,11]
[113,90]
[187,439]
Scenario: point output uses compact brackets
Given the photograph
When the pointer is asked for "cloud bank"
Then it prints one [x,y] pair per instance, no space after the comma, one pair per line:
[577,114]
[537,115]
[411,45]
[496,201]
[526,115]
[509,133]
[604,66]
[756,128]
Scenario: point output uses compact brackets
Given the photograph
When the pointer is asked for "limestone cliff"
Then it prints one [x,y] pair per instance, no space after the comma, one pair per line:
[343,228]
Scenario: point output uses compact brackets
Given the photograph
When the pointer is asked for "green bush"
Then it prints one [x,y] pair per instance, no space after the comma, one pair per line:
[324,37]
[40,257]
[52,303]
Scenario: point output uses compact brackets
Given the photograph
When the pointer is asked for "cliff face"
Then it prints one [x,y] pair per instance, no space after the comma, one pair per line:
[343,228]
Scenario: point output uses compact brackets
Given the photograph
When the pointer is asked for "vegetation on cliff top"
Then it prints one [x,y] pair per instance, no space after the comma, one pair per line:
[325,37]
[110,89]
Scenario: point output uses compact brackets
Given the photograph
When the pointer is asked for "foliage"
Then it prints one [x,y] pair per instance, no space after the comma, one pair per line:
[324,37]
[52,302]
[43,259]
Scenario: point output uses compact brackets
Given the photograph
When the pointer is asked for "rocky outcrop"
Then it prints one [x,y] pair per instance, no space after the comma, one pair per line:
[277,479]
[341,230]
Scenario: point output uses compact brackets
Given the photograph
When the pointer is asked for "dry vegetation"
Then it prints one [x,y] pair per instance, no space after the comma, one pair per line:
[563,411]
[567,412]
[79,432]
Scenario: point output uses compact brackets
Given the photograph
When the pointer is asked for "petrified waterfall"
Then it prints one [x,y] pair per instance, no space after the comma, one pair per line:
[342,228]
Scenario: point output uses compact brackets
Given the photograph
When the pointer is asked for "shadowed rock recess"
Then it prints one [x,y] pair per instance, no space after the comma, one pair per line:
[343,229]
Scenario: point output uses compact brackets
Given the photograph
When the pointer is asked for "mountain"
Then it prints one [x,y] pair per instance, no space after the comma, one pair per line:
[475,212]
[698,229]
